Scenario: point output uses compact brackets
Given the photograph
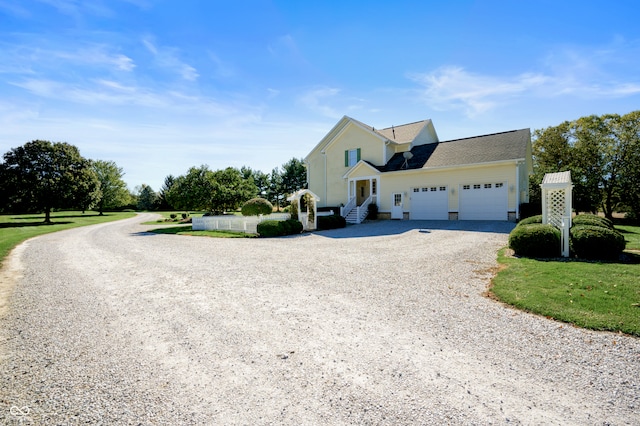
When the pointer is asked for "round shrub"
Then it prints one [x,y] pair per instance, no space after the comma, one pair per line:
[256,207]
[593,220]
[596,242]
[295,226]
[530,220]
[535,240]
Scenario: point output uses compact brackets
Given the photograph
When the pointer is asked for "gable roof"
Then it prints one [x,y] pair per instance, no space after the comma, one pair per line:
[505,146]
[404,133]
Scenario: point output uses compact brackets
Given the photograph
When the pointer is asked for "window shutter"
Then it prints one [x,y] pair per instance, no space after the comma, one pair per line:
[358,155]
[346,158]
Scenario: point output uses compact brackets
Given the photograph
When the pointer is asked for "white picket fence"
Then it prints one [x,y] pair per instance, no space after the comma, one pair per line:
[248,224]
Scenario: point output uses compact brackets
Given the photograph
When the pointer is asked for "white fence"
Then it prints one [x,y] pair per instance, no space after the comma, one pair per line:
[248,224]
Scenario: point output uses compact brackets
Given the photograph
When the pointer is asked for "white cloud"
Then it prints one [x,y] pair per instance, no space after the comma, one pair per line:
[315,100]
[167,58]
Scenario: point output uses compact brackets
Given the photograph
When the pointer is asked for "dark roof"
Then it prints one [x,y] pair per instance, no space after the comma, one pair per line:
[503,146]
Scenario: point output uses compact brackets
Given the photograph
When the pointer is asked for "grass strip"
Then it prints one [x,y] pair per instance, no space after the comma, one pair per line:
[186,230]
[593,295]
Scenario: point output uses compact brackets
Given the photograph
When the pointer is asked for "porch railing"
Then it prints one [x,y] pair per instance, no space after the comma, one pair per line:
[344,211]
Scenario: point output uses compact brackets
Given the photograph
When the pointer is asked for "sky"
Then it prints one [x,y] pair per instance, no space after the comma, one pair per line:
[159,86]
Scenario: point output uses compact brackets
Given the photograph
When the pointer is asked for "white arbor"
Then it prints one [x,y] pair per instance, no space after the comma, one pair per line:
[556,204]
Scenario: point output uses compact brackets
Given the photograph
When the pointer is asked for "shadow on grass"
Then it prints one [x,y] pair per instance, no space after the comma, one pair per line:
[28,224]
[626,258]
[55,216]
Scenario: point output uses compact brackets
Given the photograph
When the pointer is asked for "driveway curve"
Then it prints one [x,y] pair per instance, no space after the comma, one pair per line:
[381,323]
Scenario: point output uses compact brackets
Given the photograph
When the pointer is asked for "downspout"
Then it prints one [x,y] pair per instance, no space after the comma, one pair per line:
[518,163]
[325,177]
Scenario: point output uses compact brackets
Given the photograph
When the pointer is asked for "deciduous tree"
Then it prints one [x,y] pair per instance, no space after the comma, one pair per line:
[113,189]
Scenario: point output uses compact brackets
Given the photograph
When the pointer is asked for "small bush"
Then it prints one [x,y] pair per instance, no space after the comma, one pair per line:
[331,222]
[535,240]
[372,212]
[173,215]
[596,242]
[185,215]
[530,220]
[256,207]
[269,228]
[592,220]
[278,228]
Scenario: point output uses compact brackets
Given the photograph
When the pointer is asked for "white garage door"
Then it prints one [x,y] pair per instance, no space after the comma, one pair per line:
[430,203]
[486,201]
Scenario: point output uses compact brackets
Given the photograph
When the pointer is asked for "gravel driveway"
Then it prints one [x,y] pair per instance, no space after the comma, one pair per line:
[381,323]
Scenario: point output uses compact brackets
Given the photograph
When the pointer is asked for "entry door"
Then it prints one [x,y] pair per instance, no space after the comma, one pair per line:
[397,205]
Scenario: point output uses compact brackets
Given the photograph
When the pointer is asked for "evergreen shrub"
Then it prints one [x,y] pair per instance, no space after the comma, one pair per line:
[596,242]
[530,220]
[593,220]
[535,240]
[256,207]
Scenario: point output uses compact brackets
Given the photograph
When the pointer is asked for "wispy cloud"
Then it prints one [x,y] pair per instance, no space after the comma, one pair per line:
[316,100]
[578,72]
[168,58]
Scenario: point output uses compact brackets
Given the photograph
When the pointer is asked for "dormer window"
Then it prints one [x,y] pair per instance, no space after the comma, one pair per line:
[351,157]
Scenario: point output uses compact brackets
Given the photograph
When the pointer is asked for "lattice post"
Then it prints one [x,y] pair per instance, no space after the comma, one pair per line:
[556,205]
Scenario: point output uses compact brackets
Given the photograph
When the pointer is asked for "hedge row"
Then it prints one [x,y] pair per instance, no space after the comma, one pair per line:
[279,228]
[591,237]
[331,222]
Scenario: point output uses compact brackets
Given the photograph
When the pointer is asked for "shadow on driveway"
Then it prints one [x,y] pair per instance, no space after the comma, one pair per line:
[397,227]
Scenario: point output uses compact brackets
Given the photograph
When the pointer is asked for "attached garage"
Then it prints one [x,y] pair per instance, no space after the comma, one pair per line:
[483,201]
[429,203]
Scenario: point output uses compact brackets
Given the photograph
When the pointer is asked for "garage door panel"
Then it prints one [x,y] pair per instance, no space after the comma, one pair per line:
[483,202]
[430,203]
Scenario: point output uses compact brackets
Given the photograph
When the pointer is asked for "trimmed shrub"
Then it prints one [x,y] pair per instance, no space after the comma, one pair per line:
[331,222]
[535,240]
[279,228]
[173,215]
[592,220]
[530,220]
[596,242]
[372,211]
[295,226]
[256,207]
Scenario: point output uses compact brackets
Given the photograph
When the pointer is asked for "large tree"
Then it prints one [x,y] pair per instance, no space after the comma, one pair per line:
[147,197]
[114,192]
[294,176]
[192,191]
[42,176]
[230,190]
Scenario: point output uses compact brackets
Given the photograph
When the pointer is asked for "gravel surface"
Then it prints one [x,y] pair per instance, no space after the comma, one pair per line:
[380,323]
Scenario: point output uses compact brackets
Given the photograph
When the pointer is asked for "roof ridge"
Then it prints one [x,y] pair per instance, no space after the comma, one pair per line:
[406,124]
[483,136]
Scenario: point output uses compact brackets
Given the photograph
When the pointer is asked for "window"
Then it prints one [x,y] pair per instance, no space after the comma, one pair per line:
[466,187]
[351,157]
[499,185]
[374,187]
[487,185]
[434,189]
[425,189]
[397,200]
[416,189]
[443,188]
[476,186]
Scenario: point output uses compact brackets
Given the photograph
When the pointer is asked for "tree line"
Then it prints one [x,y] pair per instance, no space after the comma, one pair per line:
[603,155]
[42,176]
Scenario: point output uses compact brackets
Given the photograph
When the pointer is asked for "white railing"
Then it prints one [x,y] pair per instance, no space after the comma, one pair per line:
[363,209]
[247,224]
[352,204]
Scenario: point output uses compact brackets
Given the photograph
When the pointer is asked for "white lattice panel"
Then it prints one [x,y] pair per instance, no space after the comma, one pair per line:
[556,206]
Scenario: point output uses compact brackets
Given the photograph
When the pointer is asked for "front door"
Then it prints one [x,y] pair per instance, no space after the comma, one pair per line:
[397,205]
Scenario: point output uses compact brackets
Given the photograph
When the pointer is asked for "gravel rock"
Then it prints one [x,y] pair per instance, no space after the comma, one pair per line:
[381,323]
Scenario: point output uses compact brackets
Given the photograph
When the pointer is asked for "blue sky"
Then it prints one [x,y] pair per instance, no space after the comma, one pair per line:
[159,86]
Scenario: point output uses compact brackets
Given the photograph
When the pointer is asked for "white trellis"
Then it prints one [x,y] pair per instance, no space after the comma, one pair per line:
[309,218]
[556,204]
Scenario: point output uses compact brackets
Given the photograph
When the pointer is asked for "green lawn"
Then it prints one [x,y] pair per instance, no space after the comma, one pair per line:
[14,229]
[186,230]
[594,295]
[631,235]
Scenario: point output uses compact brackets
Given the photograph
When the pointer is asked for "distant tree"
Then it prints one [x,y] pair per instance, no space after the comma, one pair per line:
[294,176]
[628,132]
[230,190]
[41,176]
[147,197]
[114,192]
[275,191]
[260,179]
[163,203]
[193,190]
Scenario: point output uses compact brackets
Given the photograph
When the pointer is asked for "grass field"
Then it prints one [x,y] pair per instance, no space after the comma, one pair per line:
[15,229]
[186,230]
[594,295]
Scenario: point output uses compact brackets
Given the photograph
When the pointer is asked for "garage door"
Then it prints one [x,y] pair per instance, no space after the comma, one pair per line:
[430,203]
[486,201]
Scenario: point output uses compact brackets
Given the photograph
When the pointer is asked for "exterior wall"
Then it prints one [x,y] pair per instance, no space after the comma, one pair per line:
[353,137]
[452,178]
[427,135]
